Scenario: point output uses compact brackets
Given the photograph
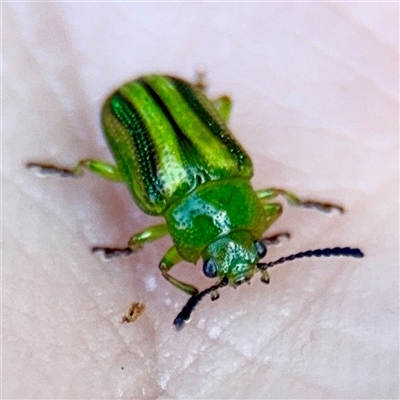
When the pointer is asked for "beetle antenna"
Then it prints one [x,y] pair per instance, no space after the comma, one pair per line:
[184,316]
[336,251]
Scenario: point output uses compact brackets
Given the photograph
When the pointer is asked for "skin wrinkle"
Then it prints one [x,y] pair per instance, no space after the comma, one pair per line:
[230,348]
[298,314]
[366,30]
[353,67]
[357,71]
[359,26]
[86,287]
[60,76]
[77,77]
[69,316]
[325,128]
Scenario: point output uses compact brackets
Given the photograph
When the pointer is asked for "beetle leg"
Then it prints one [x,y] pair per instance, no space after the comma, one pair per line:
[102,168]
[265,277]
[201,82]
[151,234]
[170,259]
[223,105]
[271,193]
[272,212]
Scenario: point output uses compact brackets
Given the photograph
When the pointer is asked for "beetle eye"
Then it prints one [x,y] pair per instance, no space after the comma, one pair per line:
[209,268]
[260,248]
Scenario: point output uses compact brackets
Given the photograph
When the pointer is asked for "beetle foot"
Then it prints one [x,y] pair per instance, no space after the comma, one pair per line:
[265,277]
[214,295]
[276,240]
[201,81]
[108,253]
[49,169]
[324,207]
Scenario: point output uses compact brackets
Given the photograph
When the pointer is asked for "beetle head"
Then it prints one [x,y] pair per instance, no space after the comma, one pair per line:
[233,256]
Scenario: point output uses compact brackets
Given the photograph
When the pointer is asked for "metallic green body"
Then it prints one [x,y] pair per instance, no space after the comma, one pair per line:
[213,210]
[178,158]
[167,139]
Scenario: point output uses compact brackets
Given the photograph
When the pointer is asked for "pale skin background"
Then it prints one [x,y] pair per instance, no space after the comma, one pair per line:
[315,91]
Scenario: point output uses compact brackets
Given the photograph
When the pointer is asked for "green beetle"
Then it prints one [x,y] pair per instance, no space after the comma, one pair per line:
[179,160]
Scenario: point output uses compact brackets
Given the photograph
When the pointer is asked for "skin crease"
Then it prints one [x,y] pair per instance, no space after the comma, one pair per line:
[315,91]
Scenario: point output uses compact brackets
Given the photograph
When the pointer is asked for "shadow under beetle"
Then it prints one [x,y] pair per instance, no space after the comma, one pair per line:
[175,153]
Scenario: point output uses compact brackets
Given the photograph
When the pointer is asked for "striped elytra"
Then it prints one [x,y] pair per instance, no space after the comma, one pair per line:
[167,138]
